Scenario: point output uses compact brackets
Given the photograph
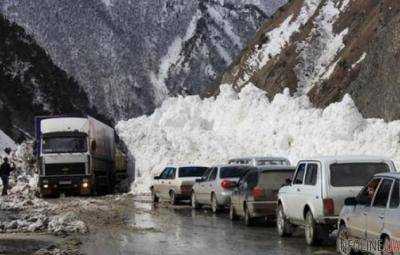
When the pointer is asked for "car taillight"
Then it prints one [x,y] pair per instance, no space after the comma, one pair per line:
[226,184]
[329,206]
[257,192]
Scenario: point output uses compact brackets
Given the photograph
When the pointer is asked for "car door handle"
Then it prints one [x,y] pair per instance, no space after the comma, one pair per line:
[364,213]
[298,189]
[381,217]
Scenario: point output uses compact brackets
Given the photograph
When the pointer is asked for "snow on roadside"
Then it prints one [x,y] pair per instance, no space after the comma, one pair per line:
[188,130]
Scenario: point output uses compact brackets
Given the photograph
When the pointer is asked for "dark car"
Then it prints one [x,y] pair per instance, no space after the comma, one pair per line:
[256,193]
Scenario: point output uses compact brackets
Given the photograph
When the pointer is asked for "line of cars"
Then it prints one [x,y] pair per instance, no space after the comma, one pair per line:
[320,195]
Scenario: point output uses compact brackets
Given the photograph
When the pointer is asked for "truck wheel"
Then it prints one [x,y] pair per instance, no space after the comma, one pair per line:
[248,220]
[154,197]
[172,198]
[311,230]
[195,204]
[232,213]
[214,204]
[285,229]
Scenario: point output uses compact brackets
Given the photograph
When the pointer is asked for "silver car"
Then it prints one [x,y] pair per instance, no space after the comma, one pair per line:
[260,161]
[216,185]
[370,222]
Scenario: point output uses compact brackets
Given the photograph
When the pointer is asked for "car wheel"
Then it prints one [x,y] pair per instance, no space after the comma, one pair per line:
[342,244]
[387,249]
[154,197]
[172,198]
[232,213]
[195,204]
[247,217]
[310,229]
[285,229]
[214,204]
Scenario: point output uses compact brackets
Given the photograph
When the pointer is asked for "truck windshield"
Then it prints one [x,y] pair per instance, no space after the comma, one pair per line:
[64,144]
[355,174]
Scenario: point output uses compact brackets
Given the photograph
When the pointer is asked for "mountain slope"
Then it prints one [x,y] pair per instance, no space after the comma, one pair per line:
[327,48]
[129,55]
[30,84]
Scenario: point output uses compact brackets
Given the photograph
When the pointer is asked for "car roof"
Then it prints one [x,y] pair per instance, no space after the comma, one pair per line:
[233,165]
[179,166]
[260,158]
[389,174]
[275,167]
[348,158]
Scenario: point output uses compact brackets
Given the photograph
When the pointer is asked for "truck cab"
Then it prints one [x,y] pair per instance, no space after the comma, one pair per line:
[75,155]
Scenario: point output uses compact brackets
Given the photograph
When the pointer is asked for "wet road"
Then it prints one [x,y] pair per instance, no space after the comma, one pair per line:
[180,230]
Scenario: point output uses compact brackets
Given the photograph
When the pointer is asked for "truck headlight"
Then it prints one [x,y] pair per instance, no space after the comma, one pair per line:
[85,183]
[45,186]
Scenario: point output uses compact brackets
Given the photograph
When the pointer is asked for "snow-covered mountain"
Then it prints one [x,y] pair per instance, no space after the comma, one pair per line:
[31,84]
[129,55]
[325,49]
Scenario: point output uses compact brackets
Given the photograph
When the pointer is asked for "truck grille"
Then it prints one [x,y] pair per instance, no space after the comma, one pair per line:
[65,169]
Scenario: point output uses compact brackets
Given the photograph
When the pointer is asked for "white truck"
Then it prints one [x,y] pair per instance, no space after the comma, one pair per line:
[318,190]
[76,155]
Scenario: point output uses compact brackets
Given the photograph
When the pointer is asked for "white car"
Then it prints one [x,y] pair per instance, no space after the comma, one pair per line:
[216,186]
[260,161]
[319,187]
[175,183]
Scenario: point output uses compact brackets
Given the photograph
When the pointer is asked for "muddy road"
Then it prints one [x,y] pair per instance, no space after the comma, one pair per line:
[123,224]
[180,230]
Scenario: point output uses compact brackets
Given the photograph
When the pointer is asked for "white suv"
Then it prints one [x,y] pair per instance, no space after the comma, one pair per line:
[316,195]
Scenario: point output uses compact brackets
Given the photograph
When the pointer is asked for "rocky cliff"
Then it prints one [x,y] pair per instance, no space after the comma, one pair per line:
[30,84]
[327,48]
[128,55]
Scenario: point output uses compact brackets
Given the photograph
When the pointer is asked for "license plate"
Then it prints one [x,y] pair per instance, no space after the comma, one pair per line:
[65,182]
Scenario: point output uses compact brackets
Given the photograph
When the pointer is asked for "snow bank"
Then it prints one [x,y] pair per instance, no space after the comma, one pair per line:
[5,141]
[190,130]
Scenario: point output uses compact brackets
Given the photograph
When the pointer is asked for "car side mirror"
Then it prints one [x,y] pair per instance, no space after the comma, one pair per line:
[199,180]
[350,201]
[156,177]
[288,182]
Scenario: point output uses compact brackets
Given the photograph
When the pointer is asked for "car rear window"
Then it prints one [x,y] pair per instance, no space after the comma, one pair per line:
[192,171]
[232,172]
[355,174]
[274,179]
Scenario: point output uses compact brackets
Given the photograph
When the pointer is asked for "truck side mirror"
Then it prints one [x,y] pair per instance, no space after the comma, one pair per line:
[93,145]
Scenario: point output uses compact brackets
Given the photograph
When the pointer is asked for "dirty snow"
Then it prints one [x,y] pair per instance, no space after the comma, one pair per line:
[317,54]
[278,39]
[188,130]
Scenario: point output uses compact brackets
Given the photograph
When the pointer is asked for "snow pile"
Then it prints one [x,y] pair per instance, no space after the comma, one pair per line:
[277,39]
[5,141]
[67,223]
[190,130]
[317,54]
